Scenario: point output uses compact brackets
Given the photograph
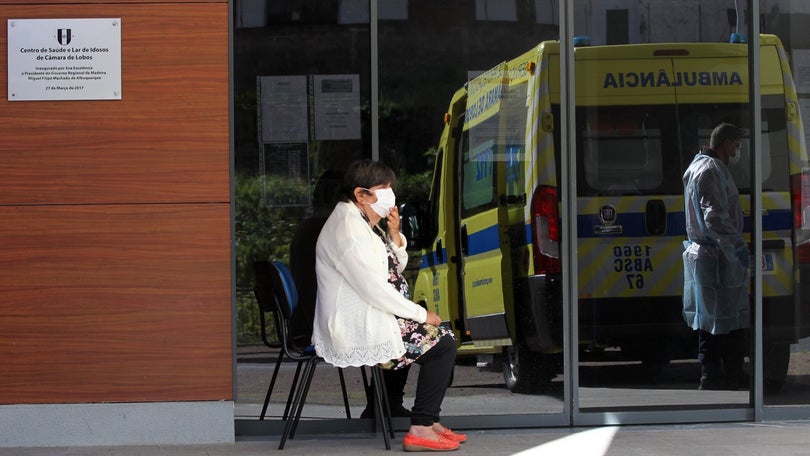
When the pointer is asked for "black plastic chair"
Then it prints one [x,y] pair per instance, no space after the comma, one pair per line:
[286,297]
[290,345]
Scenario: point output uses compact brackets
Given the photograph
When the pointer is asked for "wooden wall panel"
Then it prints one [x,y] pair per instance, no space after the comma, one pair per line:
[115,265]
[166,141]
[115,303]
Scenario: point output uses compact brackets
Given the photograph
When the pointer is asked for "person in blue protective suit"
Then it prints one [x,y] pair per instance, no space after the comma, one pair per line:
[715,289]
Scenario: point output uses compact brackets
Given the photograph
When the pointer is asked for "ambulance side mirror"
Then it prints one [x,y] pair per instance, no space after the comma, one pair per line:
[412,221]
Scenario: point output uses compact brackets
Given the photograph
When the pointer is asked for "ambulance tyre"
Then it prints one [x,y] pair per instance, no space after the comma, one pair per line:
[526,372]
[776,359]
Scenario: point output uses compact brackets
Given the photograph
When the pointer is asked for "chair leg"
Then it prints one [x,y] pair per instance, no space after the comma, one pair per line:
[306,383]
[272,383]
[382,409]
[293,386]
[345,395]
[297,404]
[386,404]
[366,385]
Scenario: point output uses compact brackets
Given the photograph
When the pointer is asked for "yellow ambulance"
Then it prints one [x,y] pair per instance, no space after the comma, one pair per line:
[491,261]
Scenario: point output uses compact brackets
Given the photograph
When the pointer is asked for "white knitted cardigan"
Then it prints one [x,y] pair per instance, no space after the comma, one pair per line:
[355,315]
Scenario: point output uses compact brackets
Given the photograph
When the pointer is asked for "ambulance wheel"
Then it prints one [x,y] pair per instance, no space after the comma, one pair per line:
[776,357]
[526,372]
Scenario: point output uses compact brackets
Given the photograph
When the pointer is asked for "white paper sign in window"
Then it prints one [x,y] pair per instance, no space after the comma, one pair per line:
[283,109]
[64,59]
[337,106]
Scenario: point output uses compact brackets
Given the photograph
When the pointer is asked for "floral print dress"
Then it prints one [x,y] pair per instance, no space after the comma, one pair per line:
[417,337]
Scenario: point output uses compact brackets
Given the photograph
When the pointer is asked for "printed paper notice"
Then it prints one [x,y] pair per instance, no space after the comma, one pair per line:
[283,109]
[337,106]
[64,59]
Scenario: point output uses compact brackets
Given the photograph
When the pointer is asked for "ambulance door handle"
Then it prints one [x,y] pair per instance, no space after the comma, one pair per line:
[465,241]
[656,217]
[439,252]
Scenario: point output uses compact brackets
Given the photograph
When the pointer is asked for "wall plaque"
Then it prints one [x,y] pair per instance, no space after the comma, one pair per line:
[64,59]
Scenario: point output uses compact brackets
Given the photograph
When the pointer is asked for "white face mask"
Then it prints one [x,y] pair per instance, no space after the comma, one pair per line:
[386,200]
[734,159]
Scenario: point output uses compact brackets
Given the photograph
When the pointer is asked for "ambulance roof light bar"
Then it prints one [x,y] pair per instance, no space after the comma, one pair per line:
[583,40]
[738,38]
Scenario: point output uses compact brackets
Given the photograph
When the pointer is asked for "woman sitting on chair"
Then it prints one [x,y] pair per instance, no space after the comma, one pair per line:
[363,315]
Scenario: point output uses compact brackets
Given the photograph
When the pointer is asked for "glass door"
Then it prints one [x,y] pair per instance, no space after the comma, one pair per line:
[454,98]
[647,99]
[785,246]
[477,265]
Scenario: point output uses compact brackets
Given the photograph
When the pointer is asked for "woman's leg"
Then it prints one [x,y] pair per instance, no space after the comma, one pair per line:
[436,367]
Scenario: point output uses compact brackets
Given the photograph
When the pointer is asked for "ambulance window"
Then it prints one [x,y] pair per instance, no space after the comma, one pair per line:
[514,169]
[478,177]
[435,196]
[512,135]
[741,170]
[477,150]
[622,151]
[775,155]
[697,122]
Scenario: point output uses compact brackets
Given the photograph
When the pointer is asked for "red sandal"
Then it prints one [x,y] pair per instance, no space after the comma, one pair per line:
[414,443]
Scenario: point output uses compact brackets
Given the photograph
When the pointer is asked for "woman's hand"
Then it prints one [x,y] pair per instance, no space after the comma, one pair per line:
[393,222]
[433,318]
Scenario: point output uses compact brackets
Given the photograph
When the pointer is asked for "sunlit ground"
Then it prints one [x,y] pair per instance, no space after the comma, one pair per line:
[592,442]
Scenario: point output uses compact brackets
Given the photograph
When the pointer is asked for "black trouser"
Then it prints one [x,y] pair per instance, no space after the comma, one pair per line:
[435,371]
[721,354]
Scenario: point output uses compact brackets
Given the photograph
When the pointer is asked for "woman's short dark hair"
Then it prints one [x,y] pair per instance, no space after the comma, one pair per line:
[366,174]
